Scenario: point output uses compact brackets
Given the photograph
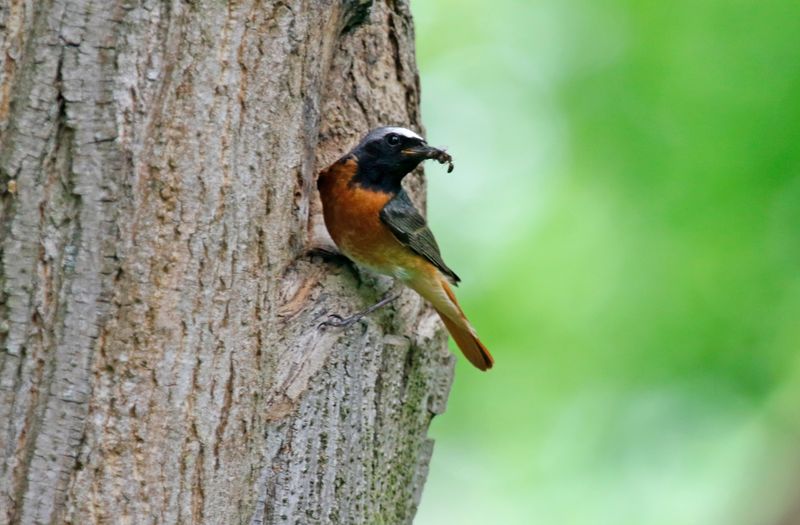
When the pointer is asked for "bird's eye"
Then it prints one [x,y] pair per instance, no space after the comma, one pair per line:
[392,139]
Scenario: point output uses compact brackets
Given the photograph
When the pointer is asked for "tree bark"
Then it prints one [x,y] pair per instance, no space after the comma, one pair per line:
[161,360]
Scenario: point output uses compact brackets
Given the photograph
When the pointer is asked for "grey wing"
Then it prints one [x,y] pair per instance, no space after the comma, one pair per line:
[410,228]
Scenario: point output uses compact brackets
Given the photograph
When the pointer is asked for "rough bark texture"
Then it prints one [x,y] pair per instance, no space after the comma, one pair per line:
[160,360]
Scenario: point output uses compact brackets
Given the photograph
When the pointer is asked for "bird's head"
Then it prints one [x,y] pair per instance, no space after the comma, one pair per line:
[386,155]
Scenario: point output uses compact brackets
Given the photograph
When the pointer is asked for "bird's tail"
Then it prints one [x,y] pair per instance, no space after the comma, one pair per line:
[469,343]
[441,296]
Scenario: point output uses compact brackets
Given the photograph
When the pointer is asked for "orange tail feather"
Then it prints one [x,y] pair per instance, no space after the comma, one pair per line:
[434,287]
[469,344]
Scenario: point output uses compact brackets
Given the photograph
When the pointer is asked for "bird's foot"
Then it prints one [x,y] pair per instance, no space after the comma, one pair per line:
[337,321]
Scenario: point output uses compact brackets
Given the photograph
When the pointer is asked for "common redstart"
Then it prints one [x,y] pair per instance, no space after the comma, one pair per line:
[374,223]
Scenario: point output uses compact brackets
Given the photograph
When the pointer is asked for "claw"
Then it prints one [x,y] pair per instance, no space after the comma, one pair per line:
[337,321]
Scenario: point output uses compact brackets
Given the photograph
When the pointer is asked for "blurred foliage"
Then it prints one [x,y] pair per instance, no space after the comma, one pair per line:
[625,215]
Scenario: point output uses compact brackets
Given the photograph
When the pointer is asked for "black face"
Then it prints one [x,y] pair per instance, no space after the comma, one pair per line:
[385,157]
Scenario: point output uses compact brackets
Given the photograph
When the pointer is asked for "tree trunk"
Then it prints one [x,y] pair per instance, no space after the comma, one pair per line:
[161,360]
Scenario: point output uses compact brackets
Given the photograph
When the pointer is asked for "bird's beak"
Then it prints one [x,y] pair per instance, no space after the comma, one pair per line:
[422,152]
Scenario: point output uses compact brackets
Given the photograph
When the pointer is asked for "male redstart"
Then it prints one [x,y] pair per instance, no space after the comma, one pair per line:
[374,223]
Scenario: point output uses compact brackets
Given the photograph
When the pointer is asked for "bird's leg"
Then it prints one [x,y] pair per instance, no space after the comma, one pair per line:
[337,321]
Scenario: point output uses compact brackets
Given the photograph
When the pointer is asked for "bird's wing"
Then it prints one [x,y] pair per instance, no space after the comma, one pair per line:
[410,228]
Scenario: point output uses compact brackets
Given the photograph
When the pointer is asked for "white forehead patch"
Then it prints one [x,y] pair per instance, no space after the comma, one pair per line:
[404,132]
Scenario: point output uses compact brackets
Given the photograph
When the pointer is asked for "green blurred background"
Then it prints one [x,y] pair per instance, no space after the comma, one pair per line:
[625,215]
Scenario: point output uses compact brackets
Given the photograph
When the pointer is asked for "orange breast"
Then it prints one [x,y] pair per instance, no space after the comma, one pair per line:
[352,216]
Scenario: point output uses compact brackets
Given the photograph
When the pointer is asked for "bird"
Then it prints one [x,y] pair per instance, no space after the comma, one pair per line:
[374,223]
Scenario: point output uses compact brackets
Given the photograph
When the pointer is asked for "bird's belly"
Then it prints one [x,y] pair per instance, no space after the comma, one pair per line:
[366,240]
[352,216]
[380,253]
